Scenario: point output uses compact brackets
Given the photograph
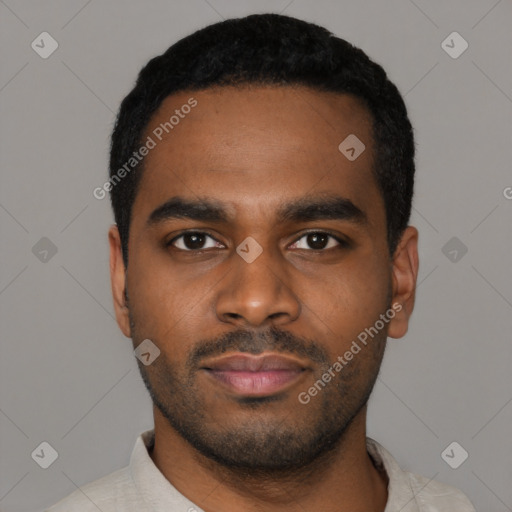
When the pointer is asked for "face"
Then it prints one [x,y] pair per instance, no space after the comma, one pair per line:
[257,258]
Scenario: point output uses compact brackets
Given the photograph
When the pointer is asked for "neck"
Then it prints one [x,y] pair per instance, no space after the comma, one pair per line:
[344,479]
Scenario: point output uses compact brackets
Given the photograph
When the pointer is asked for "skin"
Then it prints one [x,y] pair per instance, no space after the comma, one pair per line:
[290,298]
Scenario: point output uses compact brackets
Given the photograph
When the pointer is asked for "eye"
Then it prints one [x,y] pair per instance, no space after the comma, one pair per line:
[193,241]
[319,241]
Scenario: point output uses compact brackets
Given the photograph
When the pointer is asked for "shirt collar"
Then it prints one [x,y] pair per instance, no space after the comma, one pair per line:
[162,496]
[400,493]
[159,494]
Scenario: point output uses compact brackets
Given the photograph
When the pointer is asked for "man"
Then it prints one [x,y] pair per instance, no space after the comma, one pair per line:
[261,177]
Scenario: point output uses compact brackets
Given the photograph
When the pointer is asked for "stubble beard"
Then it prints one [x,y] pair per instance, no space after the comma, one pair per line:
[266,445]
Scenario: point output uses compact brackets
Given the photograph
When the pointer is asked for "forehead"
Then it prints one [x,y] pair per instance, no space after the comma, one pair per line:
[253,147]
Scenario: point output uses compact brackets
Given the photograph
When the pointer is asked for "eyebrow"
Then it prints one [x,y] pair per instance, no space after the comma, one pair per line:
[305,209]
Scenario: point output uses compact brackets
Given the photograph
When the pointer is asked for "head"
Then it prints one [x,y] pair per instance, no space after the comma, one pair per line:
[245,226]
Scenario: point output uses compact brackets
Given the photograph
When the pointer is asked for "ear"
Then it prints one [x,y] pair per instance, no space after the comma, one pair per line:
[404,274]
[118,281]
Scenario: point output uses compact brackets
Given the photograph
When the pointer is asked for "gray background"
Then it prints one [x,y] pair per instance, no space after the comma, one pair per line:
[68,375]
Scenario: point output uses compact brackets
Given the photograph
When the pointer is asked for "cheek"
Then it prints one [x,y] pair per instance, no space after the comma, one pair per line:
[351,300]
[165,306]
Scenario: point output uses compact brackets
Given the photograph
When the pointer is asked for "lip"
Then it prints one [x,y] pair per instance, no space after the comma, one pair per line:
[250,375]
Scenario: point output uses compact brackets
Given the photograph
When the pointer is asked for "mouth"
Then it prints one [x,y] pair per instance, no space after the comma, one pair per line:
[254,376]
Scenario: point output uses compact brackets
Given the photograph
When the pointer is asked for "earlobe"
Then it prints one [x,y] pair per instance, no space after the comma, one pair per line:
[404,274]
[118,281]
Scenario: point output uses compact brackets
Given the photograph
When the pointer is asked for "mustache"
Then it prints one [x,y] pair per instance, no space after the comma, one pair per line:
[257,342]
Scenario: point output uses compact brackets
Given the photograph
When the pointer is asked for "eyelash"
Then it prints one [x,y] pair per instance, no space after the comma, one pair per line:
[342,243]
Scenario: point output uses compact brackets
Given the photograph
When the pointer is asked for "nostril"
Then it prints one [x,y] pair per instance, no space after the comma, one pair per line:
[235,316]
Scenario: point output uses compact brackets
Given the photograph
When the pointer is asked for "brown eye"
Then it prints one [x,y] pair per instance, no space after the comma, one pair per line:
[193,241]
[318,241]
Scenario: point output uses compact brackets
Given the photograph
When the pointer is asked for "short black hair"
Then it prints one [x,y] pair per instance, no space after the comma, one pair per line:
[269,49]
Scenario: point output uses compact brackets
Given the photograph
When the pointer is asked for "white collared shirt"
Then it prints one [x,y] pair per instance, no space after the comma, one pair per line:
[141,487]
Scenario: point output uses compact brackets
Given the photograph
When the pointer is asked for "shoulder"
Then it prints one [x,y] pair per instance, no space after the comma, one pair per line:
[409,492]
[107,494]
[431,493]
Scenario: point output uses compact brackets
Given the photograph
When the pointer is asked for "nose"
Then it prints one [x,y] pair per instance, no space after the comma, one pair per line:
[257,293]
